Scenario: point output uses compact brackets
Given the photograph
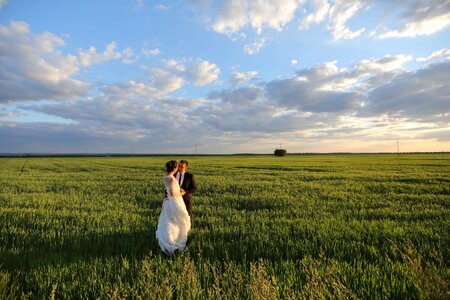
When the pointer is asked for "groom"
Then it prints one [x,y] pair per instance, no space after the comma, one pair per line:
[187,185]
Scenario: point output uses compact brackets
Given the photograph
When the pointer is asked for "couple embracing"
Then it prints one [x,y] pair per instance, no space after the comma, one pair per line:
[176,213]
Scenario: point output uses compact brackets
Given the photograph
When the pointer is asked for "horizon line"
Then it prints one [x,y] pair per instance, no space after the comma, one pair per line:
[126,154]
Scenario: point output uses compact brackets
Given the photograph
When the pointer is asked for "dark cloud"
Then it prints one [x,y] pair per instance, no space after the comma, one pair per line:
[301,95]
[27,90]
[423,93]
[240,96]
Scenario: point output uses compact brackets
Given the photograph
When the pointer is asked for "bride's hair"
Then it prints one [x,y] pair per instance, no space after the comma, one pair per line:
[171,165]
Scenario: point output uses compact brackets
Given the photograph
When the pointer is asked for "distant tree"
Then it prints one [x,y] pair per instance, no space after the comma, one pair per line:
[280,152]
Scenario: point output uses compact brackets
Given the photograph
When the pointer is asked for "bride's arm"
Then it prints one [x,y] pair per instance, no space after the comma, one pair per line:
[172,192]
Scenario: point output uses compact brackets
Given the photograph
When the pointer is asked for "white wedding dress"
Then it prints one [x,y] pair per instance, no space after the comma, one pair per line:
[174,222]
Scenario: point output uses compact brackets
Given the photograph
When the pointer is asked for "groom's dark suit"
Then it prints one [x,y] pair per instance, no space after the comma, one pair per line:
[188,185]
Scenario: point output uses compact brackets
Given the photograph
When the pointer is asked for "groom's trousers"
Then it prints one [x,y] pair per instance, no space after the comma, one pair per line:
[188,202]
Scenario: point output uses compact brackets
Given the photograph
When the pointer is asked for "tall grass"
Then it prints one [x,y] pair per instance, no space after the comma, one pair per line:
[296,227]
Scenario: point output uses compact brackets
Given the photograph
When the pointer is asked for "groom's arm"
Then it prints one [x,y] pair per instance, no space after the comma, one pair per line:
[192,187]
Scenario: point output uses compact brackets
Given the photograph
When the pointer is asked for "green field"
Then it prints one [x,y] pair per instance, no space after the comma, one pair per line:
[301,226]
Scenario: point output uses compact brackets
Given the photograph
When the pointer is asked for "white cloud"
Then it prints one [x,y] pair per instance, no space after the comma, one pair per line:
[273,14]
[294,61]
[165,81]
[418,17]
[242,77]
[424,27]
[91,57]
[128,56]
[328,88]
[336,14]
[33,67]
[387,63]
[320,11]
[360,77]
[175,65]
[234,15]
[326,77]
[421,18]
[443,53]
[151,52]
[203,73]
[254,47]
[230,17]
[174,74]
[339,15]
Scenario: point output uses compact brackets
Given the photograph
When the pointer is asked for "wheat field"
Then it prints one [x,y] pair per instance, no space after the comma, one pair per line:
[345,226]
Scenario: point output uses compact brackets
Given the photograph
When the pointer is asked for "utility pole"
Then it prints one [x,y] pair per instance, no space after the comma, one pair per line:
[398,148]
[195,149]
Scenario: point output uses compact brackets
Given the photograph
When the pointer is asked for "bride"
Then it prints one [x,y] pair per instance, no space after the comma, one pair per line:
[174,222]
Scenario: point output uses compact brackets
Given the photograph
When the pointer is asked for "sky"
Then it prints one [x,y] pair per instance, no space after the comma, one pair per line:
[221,77]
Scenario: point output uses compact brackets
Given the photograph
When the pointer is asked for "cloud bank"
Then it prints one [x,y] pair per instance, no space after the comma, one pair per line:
[373,99]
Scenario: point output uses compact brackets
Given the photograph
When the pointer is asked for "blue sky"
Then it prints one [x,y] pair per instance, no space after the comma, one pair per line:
[224,76]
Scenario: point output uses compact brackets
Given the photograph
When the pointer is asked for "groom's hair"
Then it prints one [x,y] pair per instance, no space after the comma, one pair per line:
[183,161]
[171,165]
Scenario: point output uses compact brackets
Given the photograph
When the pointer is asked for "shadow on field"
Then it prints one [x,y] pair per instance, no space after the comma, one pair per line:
[68,249]
[242,246]
[235,246]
